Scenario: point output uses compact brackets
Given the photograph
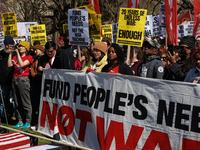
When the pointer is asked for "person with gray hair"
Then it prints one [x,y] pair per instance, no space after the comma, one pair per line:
[152,66]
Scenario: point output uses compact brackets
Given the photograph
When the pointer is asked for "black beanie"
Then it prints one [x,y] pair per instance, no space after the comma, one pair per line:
[189,41]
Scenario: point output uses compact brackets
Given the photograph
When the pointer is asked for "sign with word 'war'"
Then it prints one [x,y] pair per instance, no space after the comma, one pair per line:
[9,24]
[38,33]
[78,27]
[117,112]
[131,26]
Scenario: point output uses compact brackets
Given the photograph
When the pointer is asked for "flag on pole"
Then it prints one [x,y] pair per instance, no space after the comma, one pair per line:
[196,27]
[95,3]
[56,134]
[171,21]
[133,3]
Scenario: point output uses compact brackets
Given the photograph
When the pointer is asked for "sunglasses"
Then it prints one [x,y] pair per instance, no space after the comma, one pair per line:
[163,57]
[184,47]
[149,47]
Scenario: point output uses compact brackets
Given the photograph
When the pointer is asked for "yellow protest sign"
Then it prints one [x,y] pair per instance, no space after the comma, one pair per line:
[107,30]
[38,33]
[94,26]
[65,27]
[97,37]
[131,26]
[9,23]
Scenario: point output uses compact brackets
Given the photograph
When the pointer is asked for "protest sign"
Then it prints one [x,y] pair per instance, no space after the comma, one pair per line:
[107,30]
[94,26]
[21,28]
[97,37]
[148,30]
[162,16]
[107,111]
[28,34]
[65,28]
[78,27]
[188,28]
[38,33]
[180,30]
[162,32]
[9,24]
[156,27]
[131,26]
[17,41]
[1,39]
[114,29]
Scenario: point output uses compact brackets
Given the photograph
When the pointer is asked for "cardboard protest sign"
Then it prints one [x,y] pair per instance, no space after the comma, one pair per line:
[38,33]
[94,26]
[188,28]
[78,27]
[114,29]
[1,39]
[97,37]
[28,34]
[156,27]
[117,112]
[107,30]
[9,23]
[17,41]
[21,28]
[162,16]
[180,30]
[148,30]
[65,28]
[131,26]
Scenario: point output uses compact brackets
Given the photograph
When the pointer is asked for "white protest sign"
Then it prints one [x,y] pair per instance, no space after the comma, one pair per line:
[28,34]
[1,39]
[162,15]
[21,28]
[188,28]
[17,41]
[156,27]
[148,30]
[180,30]
[162,32]
[114,30]
[117,112]
[78,27]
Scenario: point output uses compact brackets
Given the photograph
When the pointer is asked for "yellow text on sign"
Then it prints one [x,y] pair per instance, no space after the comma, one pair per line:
[131,26]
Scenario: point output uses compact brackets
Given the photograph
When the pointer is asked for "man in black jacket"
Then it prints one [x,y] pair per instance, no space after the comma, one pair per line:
[178,70]
[152,66]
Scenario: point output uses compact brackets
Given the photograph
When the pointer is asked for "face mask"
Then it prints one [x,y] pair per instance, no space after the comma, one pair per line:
[182,54]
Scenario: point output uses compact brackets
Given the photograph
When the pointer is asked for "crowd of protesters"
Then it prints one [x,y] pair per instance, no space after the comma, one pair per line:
[22,66]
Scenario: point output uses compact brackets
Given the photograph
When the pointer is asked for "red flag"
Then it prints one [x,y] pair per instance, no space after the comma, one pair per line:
[133,3]
[196,27]
[184,17]
[95,3]
[171,21]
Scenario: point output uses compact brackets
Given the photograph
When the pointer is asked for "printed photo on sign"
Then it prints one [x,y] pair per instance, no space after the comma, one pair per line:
[78,27]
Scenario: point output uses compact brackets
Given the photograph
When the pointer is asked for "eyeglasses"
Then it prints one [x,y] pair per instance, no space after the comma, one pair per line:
[149,47]
[184,47]
[163,57]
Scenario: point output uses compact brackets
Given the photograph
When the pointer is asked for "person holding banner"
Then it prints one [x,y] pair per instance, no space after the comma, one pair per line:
[194,74]
[152,66]
[100,58]
[21,83]
[85,57]
[179,69]
[116,63]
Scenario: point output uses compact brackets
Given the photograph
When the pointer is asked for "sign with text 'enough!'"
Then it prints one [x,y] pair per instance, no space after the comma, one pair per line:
[131,26]
[78,27]
[9,24]
[118,112]
[38,33]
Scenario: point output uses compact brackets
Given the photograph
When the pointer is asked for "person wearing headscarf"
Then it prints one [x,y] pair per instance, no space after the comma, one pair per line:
[116,63]
[179,69]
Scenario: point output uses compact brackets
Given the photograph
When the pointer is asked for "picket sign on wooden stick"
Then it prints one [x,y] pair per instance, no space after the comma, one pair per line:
[128,53]
[79,53]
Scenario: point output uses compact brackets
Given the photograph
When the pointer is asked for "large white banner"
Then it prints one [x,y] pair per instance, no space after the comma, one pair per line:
[78,27]
[108,111]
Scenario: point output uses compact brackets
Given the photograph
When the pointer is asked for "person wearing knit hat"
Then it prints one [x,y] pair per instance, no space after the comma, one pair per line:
[21,83]
[100,58]
[179,69]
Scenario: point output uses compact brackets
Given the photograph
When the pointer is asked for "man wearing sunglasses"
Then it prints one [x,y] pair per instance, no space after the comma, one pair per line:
[152,66]
[179,69]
